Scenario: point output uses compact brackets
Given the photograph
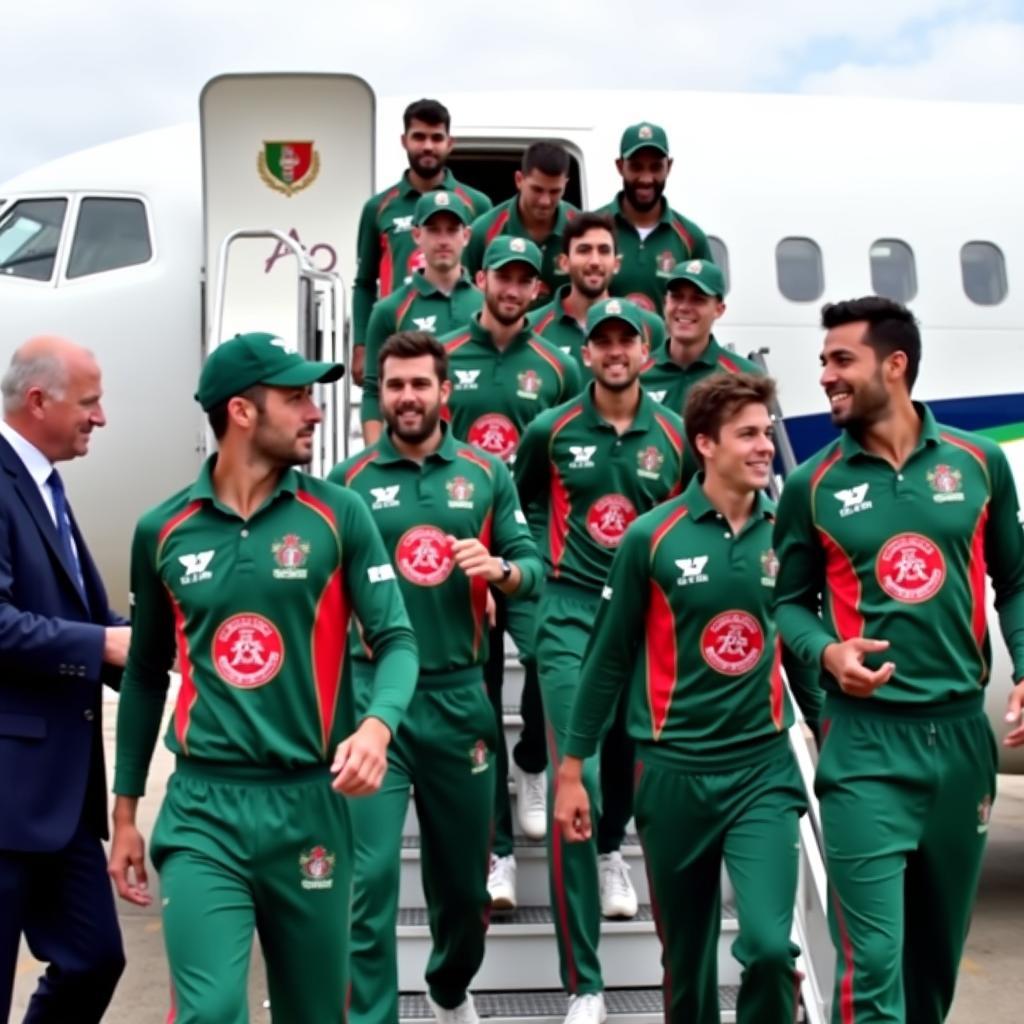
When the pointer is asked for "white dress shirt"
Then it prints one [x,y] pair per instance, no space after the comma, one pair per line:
[38,465]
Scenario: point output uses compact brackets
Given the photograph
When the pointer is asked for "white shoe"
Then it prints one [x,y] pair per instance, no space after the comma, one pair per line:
[531,802]
[618,897]
[501,883]
[464,1013]
[587,1009]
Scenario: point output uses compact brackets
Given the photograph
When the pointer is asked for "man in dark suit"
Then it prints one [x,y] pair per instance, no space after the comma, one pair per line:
[59,642]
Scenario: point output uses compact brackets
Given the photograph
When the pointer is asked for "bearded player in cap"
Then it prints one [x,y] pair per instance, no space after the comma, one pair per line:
[249,577]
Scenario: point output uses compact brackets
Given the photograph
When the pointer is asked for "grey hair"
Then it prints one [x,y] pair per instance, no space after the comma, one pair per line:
[40,371]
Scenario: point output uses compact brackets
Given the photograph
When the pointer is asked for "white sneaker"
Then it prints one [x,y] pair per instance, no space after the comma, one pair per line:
[587,1009]
[618,897]
[464,1013]
[531,802]
[501,883]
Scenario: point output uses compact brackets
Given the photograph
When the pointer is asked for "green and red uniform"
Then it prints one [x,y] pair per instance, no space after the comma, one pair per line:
[250,833]
[554,323]
[386,255]
[445,744]
[587,483]
[907,776]
[673,240]
[669,383]
[684,627]
[504,219]
[416,306]
[495,394]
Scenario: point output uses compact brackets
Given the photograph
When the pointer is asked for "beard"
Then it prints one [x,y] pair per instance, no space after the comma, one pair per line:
[505,319]
[426,170]
[589,291]
[643,206]
[867,406]
[615,386]
[413,435]
[278,449]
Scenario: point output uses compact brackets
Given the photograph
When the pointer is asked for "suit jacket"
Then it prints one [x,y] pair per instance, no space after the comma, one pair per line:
[51,674]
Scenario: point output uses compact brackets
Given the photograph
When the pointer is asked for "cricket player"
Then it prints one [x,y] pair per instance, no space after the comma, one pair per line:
[452,525]
[896,525]
[589,467]
[249,577]
[685,627]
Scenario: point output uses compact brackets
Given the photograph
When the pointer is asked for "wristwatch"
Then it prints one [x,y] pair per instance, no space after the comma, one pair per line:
[506,569]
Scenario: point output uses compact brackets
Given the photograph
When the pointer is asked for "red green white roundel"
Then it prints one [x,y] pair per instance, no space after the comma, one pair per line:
[424,556]
[494,433]
[609,517]
[732,642]
[910,568]
[247,650]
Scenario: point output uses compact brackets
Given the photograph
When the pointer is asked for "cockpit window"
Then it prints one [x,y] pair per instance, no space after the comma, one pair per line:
[29,236]
[111,233]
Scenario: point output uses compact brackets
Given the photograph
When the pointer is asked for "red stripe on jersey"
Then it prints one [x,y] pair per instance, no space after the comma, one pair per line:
[542,325]
[971,449]
[357,467]
[446,413]
[386,268]
[648,365]
[392,193]
[175,521]
[320,507]
[549,358]
[843,588]
[470,455]
[670,432]
[327,646]
[778,687]
[978,570]
[660,657]
[187,692]
[823,467]
[495,229]
[685,235]
[728,365]
[478,587]
[465,197]
[567,417]
[456,343]
[663,529]
[558,521]
[846,982]
[403,307]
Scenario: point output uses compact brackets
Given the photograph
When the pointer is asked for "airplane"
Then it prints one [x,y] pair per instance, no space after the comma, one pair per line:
[805,199]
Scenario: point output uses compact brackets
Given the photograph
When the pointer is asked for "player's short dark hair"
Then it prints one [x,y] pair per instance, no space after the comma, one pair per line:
[429,112]
[717,399]
[550,158]
[579,225]
[411,345]
[891,328]
[218,415]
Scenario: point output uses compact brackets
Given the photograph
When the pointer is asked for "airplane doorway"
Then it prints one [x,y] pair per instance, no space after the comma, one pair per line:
[491,168]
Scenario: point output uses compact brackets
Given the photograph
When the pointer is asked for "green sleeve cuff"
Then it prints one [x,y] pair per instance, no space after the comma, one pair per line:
[580,746]
[394,682]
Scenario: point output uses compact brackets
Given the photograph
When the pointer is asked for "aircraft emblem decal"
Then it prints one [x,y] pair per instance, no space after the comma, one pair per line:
[288,167]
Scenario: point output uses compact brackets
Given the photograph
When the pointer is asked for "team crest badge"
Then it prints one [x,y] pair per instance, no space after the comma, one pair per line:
[494,433]
[317,868]
[441,199]
[609,518]
[984,814]
[460,492]
[288,167]
[529,384]
[613,307]
[645,132]
[769,567]
[694,267]
[910,568]
[732,643]
[947,483]
[424,556]
[247,651]
[517,245]
[649,462]
[666,261]
[290,554]
[478,757]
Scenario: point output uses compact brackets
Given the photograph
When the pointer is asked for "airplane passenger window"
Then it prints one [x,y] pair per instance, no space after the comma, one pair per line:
[893,273]
[984,273]
[110,233]
[798,266]
[29,236]
[720,252]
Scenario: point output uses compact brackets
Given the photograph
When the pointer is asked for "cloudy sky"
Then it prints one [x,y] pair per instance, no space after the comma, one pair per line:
[76,74]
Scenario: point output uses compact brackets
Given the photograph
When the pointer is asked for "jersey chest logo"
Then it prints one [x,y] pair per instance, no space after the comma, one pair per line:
[425,323]
[196,567]
[460,492]
[582,456]
[691,570]
[732,643]
[384,497]
[290,554]
[649,462]
[910,568]
[530,384]
[609,518]
[853,499]
[769,567]
[424,556]
[658,396]
[247,651]
[946,483]
[466,380]
[494,433]
[400,225]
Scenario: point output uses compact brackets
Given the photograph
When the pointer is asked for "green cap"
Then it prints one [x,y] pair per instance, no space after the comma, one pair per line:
[510,249]
[707,276]
[439,201]
[257,358]
[614,309]
[643,136]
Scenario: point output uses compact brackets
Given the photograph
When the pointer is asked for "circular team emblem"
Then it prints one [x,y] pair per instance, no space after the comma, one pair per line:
[642,300]
[608,519]
[424,556]
[732,643]
[910,568]
[247,651]
[494,433]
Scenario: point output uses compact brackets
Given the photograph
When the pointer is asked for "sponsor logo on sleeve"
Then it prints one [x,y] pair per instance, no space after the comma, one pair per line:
[380,573]
[606,593]
[520,516]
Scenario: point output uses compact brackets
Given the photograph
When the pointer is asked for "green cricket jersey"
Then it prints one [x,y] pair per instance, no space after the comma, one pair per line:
[554,323]
[417,306]
[673,240]
[504,219]
[495,394]
[386,255]
[588,483]
[901,555]
[685,623]
[669,383]
[457,492]
[257,612]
